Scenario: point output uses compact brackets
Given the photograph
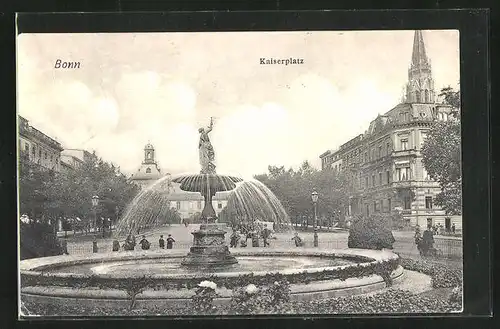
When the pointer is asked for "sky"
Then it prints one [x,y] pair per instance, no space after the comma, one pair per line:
[135,88]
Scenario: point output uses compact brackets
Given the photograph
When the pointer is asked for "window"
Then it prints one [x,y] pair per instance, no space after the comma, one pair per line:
[219,205]
[373,180]
[178,205]
[380,151]
[367,209]
[33,150]
[148,170]
[366,156]
[366,182]
[388,148]
[199,204]
[389,205]
[45,155]
[26,147]
[380,178]
[404,144]
[375,206]
[403,174]
[428,202]
[388,178]
[425,174]
[407,202]
[39,153]
[429,223]
[148,155]
[426,96]
[422,140]
[340,165]
[191,205]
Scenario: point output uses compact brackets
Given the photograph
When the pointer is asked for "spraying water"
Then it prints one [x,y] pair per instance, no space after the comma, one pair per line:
[252,201]
[151,207]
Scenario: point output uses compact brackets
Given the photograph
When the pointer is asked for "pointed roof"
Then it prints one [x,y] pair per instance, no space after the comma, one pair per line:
[419,56]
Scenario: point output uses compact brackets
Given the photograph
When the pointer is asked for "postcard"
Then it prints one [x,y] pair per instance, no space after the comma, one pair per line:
[239,173]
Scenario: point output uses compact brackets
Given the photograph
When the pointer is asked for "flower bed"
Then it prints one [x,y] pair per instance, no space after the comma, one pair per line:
[382,268]
[442,276]
[273,297]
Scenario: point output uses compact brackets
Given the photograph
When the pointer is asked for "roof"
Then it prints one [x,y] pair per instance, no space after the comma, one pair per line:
[141,173]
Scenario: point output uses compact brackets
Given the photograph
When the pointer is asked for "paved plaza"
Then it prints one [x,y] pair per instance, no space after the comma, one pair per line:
[404,245]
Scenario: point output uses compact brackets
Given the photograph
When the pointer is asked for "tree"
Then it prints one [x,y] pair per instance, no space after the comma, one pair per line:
[441,154]
[293,189]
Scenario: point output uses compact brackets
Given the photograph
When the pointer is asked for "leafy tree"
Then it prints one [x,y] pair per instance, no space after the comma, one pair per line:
[294,188]
[442,157]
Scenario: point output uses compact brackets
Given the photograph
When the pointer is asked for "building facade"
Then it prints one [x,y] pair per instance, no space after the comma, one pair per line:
[74,158]
[187,204]
[37,147]
[384,165]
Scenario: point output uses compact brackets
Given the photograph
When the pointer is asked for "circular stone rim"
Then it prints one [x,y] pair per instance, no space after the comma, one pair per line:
[39,266]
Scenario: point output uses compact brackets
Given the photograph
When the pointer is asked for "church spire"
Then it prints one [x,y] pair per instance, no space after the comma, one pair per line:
[420,86]
[419,57]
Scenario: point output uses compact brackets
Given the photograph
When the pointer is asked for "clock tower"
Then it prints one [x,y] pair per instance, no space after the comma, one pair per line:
[420,86]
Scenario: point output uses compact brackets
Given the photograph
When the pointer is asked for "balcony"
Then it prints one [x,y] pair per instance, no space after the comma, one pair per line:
[405,153]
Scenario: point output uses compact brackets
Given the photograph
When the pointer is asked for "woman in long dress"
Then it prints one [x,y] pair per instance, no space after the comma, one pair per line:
[207,154]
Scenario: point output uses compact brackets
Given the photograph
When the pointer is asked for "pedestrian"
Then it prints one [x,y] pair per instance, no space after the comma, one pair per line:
[265,235]
[170,241]
[116,245]
[161,242]
[453,228]
[144,243]
[234,239]
[297,239]
[64,246]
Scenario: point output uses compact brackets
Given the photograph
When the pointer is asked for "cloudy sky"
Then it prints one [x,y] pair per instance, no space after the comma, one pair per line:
[132,88]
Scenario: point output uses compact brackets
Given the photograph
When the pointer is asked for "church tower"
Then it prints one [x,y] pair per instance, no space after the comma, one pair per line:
[149,154]
[420,86]
[148,172]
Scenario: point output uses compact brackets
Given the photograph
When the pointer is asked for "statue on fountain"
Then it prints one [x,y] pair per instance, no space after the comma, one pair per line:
[207,154]
[209,245]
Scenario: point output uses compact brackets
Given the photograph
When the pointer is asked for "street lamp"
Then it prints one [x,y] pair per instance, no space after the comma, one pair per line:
[95,203]
[314,196]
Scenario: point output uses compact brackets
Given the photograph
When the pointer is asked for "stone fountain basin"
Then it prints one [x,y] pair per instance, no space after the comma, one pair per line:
[48,269]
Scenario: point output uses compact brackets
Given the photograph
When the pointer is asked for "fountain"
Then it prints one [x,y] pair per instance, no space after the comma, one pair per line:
[209,245]
[168,278]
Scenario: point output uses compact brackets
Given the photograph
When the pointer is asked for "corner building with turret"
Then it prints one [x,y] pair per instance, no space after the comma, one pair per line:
[384,164]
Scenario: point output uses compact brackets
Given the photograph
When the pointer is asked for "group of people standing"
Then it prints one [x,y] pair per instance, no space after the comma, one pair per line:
[130,243]
[241,237]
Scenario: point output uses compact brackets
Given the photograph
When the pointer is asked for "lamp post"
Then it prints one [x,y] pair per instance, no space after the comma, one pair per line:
[95,203]
[314,196]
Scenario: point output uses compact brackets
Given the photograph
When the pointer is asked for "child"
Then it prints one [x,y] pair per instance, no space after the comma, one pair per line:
[170,241]
[161,242]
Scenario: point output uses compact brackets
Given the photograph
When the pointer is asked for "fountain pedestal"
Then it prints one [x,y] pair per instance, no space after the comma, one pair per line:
[209,245]
[209,248]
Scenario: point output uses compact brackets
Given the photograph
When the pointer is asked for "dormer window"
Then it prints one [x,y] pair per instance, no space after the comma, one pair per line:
[148,171]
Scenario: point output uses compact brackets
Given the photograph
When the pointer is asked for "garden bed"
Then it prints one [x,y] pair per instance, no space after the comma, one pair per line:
[445,297]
